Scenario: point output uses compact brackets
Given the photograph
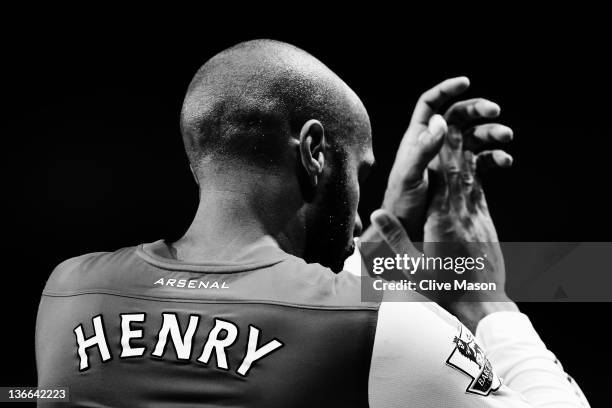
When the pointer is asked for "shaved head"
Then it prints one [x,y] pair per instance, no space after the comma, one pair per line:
[247,102]
[270,128]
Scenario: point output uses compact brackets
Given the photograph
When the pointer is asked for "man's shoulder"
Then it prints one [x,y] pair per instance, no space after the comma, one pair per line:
[290,281]
[85,270]
[312,283]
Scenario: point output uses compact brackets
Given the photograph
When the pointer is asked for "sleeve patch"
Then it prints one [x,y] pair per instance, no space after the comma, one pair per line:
[469,358]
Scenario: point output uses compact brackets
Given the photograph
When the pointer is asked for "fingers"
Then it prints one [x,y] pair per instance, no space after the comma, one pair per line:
[493,158]
[461,189]
[429,142]
[468,170]
[491,132]
[478,136]
[461,113]
[436,128]
[487,160]
[391,230]
[434,98]
[452,166]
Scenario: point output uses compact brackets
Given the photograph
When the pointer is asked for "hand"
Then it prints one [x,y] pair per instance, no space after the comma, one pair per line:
[458,212]
[407,188]
[468,312]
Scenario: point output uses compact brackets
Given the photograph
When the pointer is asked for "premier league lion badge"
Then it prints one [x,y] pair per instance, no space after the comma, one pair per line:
[469,358]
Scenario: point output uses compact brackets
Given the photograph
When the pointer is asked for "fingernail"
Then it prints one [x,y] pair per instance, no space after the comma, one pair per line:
[465,79]
[381,221]
[486,107]
[379,218]
[437,126]
[503,133]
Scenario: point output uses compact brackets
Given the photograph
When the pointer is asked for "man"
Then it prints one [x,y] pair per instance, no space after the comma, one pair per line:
[251,307]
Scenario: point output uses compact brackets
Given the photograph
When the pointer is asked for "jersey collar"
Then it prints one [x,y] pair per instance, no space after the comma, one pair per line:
[157,253]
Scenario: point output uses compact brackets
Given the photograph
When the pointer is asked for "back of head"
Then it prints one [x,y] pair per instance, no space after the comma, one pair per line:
[270,122]
[245,103]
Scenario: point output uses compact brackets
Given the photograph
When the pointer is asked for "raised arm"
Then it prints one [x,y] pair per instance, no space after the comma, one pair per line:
[434,194]
[417,343]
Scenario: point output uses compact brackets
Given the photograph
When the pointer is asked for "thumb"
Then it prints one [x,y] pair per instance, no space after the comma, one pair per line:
[429,141]
[391,230]
[431,138]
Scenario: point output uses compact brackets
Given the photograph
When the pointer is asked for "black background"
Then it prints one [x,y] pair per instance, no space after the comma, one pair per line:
[93,158]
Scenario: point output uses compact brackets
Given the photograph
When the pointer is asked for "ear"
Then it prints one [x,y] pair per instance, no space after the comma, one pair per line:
[312,149]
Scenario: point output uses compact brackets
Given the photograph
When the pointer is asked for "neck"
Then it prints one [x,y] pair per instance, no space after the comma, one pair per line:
[229,223]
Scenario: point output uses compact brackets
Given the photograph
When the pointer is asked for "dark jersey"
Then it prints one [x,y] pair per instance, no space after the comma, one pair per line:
[136,328]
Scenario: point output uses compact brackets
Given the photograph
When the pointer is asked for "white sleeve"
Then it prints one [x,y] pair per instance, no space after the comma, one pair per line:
[424,357]
[528,367]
